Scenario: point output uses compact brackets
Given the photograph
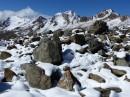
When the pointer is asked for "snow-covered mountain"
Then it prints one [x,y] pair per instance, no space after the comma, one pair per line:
[28,20]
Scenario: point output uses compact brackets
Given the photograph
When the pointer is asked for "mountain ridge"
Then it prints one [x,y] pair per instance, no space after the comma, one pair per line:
[25,18]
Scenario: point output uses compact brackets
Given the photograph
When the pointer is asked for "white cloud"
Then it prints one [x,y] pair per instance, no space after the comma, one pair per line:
[27,12]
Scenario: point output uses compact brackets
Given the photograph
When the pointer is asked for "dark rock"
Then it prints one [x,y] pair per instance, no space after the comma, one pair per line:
[89,37]
[122,36]
[8,75]
[117,47]
[58,33]
[37,77]
[106,66]
[95,45]
[49,32]
[85,19]
[66,40]
[127,79]
[35,39]
[99,27]
[11,47]
[82,50]
[102,37]
[127,47]
[49,51]
[102,53]
[6,35]
[67,32]
[19,41]
[78,38]
[55,77]
[117,72]
[4,55]
[121,62]
[96,78]
[116,39]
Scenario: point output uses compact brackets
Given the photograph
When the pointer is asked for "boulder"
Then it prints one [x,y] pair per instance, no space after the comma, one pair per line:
[116,39]
[49,51]
[82,50]
[58,33]
[121,62]
[79,39]
[67,32]
[96,78]
[117,47]
[102,53]
[68,80]
[116,72]
[36,77]
[99,27]
[8,75]
[35,39]
[11,47]
[127,47]
[95,45]
[106,92]
[4,55]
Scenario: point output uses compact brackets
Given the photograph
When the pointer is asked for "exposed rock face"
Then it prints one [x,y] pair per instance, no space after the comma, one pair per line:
[78,38]
[99,27]
[8,75]
[96,78]
[4,55]
[68,80]
[36,77]
[49,51]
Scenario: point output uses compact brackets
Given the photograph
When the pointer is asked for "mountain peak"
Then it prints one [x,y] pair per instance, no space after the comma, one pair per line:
[108,13]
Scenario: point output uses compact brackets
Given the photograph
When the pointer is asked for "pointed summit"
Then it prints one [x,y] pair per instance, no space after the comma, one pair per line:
[109,13]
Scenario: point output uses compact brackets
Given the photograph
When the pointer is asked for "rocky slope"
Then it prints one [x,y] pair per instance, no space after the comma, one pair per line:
[65,55]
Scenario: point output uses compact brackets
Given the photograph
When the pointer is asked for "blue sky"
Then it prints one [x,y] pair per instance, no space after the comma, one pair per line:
[81,7]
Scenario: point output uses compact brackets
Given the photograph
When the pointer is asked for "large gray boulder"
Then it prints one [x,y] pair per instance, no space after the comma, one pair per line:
[49,51]
[37,77]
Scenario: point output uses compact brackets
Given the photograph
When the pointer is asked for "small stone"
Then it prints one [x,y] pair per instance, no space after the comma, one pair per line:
[96,78]
[4,55]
